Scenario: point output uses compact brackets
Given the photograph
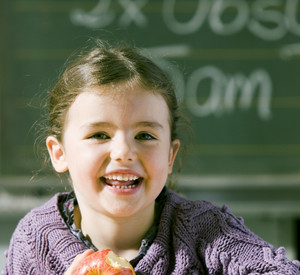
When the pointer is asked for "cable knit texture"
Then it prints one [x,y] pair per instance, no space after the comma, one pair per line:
[193,238]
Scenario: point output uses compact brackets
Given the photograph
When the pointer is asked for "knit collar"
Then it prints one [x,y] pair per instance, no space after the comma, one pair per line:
[66,208]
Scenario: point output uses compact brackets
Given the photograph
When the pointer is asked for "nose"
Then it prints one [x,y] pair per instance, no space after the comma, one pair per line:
[122,149]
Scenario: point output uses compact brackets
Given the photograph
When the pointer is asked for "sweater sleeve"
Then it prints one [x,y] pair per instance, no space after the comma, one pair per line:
[20,255]
[236,250]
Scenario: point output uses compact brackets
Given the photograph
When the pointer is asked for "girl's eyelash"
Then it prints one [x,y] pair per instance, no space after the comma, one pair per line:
[99,136]
[141,136]
[145,136]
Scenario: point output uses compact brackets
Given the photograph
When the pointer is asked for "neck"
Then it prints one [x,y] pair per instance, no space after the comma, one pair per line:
[121,234]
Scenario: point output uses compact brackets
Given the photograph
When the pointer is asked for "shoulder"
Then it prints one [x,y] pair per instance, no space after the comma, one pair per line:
[192,211]
[41,216]
[193,221]
[210,224]
[222,240]
[45,215]
[42,241]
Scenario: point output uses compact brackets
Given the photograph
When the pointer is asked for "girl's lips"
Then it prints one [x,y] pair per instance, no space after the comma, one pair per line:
[127,187]
[119,181]
[122,180]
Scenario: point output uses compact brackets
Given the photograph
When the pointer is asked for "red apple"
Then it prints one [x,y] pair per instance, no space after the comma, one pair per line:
[105,262]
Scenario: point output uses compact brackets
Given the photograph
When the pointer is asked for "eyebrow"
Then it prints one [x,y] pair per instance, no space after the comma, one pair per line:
[98,124]
[150,124]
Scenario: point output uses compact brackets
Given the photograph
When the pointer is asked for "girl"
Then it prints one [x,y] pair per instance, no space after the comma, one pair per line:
[112,126]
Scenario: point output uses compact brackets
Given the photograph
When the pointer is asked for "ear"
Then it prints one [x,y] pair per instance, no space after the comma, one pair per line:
[57,154]
[173,152]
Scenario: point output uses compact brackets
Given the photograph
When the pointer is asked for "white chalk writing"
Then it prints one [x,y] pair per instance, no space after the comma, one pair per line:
[266,19]
[102,15]
[226,93]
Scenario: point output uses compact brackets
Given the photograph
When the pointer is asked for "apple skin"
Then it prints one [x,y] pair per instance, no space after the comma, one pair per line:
[100,263]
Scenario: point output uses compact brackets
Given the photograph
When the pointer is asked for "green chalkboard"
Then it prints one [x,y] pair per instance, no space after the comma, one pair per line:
[235,65]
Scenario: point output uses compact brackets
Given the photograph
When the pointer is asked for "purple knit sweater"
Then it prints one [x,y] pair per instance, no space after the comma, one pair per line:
[192,238]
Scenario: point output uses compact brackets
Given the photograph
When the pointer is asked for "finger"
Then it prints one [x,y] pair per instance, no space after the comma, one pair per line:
[81,256]
[77,261]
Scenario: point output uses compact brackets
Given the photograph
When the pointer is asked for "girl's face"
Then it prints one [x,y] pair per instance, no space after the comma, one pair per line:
[117,149]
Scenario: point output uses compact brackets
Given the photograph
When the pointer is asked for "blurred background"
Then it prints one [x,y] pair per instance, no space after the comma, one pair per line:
[235,64]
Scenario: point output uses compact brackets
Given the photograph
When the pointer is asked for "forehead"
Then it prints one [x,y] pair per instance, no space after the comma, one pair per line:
[119,92]
[120,102]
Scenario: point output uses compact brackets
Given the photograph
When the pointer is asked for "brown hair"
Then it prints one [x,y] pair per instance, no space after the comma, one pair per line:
[104,65]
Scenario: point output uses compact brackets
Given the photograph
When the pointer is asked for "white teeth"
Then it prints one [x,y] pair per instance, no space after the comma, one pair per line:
[121,177]
[124,186]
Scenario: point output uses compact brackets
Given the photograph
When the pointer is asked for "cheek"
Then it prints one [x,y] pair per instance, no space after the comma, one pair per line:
[85,160]
[157,162]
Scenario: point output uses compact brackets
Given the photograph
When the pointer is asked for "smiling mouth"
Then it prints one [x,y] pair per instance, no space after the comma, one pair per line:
[122,181]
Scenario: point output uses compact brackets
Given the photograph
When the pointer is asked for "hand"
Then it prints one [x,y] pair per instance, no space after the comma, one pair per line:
[71,270]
